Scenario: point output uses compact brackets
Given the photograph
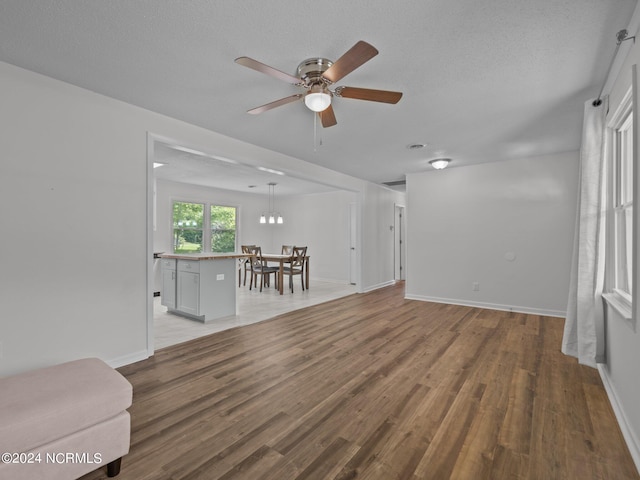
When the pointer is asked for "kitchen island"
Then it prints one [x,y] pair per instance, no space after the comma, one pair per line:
[201,286]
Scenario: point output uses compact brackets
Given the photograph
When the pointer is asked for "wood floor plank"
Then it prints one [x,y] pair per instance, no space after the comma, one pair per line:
[374,386]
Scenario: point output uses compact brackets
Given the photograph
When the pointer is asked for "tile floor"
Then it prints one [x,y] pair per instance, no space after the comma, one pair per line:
[253,306]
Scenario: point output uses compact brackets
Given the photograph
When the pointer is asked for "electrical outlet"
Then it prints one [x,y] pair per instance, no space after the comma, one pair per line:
[220,276]
[476,286]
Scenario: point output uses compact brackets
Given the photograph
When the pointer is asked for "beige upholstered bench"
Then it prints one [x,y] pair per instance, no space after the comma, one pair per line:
[63,421]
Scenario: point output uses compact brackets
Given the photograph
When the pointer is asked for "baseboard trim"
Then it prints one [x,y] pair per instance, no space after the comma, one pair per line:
[328,280]
[128,359]
[633,444]
[490,306]
[379,285]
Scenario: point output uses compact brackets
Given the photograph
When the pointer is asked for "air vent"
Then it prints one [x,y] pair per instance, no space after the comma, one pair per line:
[416,146]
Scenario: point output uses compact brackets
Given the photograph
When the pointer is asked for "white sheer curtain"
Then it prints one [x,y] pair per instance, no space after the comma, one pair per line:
[584,325]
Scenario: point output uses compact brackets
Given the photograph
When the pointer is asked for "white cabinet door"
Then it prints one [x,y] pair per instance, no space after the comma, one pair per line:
[189,292]
[168,295]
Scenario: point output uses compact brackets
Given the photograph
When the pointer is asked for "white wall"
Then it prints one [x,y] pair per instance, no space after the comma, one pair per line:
[73,208]
[319,221]
[73,203]
[622,349]
[506,225]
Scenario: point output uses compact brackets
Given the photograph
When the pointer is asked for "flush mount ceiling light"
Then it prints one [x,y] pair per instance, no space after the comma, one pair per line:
[439,163]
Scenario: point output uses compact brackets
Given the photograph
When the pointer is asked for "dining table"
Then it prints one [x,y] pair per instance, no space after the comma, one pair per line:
[281,259]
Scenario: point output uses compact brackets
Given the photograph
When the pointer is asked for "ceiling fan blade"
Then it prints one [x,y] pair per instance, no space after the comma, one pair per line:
[384,96]
[277,103]
[266,69]
[360,53]
[328,117]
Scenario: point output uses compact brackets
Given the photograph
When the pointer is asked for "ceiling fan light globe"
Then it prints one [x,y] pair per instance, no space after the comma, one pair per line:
[317,101]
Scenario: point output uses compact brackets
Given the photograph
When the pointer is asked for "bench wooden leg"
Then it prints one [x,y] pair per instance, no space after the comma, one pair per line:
[113,468]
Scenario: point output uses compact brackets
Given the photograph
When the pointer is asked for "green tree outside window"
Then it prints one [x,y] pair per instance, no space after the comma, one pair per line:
[187,227]
[223,229]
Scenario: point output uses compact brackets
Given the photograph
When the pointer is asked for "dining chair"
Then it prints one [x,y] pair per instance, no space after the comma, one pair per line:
[244,263]
[260,267]
[286,250]
[296,267]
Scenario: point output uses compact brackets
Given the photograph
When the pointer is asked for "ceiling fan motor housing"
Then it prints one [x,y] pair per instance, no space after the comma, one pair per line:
[310,71]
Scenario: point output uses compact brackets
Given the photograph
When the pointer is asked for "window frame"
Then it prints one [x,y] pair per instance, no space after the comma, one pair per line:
[206,222]
[620,127]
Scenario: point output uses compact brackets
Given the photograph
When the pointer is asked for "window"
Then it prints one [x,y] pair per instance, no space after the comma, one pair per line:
[187,227]
[223,229]
[200,227]
[623,204]
[620,187]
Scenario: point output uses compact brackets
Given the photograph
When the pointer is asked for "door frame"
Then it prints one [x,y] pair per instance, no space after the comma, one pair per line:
[399,242]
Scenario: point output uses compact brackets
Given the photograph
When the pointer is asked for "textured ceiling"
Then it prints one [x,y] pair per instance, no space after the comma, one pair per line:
[482,80]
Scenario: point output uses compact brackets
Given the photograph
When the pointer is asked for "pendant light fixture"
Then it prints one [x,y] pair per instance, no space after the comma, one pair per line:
[272,216]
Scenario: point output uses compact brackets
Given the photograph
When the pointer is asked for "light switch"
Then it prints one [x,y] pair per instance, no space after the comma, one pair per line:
[220,276]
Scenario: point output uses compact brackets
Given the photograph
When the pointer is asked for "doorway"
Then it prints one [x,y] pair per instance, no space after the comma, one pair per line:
[160,236]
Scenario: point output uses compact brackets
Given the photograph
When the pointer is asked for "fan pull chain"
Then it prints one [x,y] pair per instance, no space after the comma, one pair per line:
[317,139]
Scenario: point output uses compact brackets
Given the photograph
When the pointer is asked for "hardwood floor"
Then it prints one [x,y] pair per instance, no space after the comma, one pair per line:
[372,386]
[252,306]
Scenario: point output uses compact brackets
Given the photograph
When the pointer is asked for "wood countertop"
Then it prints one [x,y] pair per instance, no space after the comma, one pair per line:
[203,256]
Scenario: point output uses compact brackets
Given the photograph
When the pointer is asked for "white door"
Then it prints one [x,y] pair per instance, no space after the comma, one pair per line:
[353,263]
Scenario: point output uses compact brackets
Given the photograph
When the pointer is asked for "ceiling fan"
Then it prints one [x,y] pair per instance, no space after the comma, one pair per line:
[316,75]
